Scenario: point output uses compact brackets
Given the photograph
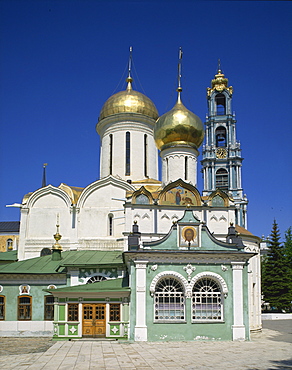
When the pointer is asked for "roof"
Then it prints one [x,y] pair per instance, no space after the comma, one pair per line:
[242,230]
[119,284]
[8,256]
[9,226]
[45,265]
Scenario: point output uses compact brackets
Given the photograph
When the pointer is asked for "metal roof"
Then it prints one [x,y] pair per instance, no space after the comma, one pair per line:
[118,284]
[9,226]
[45,265]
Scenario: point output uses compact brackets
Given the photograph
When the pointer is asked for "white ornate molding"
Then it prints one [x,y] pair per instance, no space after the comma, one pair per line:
[189,269]
[214,276]
[165,274]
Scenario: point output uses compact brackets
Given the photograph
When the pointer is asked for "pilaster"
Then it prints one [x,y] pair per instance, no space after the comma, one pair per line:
[238,328]
[140,327]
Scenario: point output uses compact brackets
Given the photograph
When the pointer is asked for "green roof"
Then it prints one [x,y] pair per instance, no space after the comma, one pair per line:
[120,284]
[45,265]
[8,256]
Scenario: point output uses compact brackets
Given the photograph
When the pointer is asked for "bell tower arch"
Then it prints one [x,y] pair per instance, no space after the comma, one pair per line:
[222,160]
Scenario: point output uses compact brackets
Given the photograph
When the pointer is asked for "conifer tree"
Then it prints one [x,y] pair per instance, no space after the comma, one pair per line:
[288,255]
[275,275]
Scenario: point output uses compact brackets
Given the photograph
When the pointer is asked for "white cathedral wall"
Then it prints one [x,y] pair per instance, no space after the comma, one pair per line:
[93,217]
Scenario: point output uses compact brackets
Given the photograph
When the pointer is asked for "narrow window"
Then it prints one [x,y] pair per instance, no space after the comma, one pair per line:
[46,252]
[169,301]
[186,168]
[220,104]
[9,244]
[207,301]
[115,312]
[95,279]
[220,134]
[110,224]
[2,307]
[145,156]
[111,154]
[73,312]
[222,179]
[24,308]
[128,152]
[49,307]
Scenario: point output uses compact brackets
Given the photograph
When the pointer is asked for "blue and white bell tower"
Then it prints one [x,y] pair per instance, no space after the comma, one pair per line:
[222,160]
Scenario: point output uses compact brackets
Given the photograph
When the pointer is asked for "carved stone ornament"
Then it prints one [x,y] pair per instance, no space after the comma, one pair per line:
[154,267]
[224,268]
[189,269]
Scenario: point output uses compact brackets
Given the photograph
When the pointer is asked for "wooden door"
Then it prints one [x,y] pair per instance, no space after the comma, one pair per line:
[93,323]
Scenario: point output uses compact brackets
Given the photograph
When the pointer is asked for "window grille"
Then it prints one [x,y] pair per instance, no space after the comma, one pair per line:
[24,308]
[49,307]
[115,312]
[222,179]
[2,308]
[207,301]
[73,312]
[95,278]
[169,300]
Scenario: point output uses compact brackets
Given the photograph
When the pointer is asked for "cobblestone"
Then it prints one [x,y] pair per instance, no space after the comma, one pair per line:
[269,350]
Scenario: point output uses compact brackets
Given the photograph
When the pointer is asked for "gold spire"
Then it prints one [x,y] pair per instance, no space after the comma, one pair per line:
[220,82]
[179,126]
[128,101]
[57,237]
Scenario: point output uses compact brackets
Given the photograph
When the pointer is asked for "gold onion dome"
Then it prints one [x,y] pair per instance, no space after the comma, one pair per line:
[128,101]
[178,127]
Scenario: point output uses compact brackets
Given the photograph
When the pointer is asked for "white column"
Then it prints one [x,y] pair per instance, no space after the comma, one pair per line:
[238,329]
[140,327]
[74,277]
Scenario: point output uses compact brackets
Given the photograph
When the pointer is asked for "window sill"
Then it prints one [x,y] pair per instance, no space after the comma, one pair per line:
[170,322]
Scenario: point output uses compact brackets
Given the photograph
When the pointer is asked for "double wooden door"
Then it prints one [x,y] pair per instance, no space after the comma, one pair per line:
[93,322]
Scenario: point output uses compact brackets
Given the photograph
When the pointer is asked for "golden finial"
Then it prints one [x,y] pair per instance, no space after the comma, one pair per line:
[57,237]
[220,82]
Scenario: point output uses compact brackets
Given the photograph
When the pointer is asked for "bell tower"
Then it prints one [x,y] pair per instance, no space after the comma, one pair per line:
[222,160]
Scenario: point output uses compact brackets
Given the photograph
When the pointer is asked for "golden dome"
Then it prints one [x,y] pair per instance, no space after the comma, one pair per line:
[219,83]
[128,101]
[179,126]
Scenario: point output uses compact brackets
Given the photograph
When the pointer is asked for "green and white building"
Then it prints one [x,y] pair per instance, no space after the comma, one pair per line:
[141,259]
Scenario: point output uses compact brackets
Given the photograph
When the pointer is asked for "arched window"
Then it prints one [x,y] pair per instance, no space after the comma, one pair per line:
[128,153]
[9,244]
[24,308]
[110,224]
[222,179]
[220,134]
[95,279]
[220,104]
[46,252]
[207,302]
[110,154]
[49,307]
[217,201]
[145,156]
[2,307]
[169,300]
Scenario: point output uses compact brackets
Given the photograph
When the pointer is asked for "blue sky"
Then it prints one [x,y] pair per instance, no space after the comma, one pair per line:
[61,60]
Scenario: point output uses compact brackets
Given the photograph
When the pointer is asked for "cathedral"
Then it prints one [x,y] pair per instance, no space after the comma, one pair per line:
[134,257]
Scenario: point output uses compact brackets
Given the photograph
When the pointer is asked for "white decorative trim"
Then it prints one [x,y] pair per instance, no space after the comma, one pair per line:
[189,269]
[213,275]
[214,218]
[1,288]
[164,274]
[165,216]
[154,267]
[223,218]
[224,268]
[146,215]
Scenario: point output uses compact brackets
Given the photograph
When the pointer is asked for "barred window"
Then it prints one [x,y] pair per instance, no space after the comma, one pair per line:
[169,300]
[72,311]
[2,307]
[49,307]
[24,308]
[207,300]
[115,312]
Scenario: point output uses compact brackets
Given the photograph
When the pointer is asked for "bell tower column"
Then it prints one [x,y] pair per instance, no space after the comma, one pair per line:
[222,160]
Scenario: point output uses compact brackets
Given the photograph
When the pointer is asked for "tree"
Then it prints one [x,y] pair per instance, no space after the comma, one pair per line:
[275,274]
[288,255]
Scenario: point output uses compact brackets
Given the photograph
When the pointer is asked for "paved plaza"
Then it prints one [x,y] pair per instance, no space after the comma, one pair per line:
[270,349]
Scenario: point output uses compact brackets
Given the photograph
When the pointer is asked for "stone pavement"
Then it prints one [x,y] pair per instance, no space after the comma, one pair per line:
[266,351]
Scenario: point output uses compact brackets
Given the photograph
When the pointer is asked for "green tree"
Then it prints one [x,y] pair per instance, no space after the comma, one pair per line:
[275,273]
[288,255]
